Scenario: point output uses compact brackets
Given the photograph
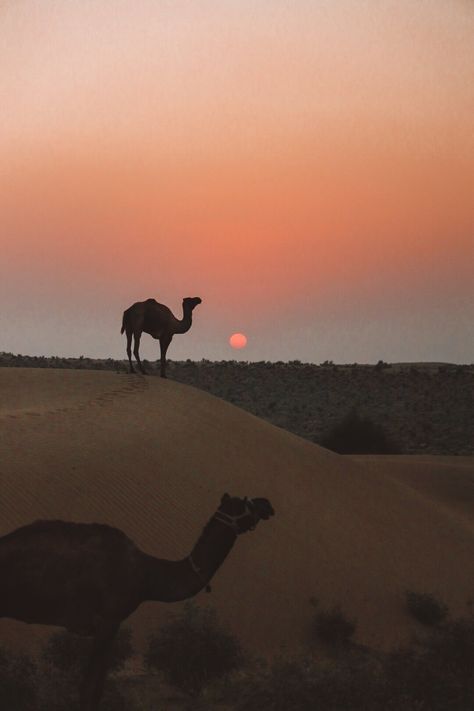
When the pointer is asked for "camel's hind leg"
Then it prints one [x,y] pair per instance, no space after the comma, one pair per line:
[136,353]
[129,350]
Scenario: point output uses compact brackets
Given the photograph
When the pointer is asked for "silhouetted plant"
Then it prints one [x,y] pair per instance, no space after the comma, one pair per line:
[63,659]
[437,673]
[425,608]
[381,365]
[67,652]
[192,649]
[332,627]
[301,684]
[57,691]
[358,435]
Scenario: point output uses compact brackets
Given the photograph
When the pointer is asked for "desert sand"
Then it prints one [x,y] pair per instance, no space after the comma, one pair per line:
[153,457]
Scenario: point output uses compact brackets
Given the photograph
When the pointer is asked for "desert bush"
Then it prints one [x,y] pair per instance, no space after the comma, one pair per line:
[17,682]
[57,692]
[358,435]
[332,627]
[67,652]
[287,685]
[425,608]
[63,659]
[192,649]
[437,672]
[302,684]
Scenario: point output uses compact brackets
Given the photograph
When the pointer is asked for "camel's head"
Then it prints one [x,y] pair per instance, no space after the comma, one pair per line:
[191,302]
[242,515]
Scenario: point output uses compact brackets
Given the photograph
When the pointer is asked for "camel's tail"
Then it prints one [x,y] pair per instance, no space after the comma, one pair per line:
[123,322]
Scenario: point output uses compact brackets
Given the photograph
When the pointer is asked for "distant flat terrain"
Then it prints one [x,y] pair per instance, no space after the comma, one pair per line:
[153,457]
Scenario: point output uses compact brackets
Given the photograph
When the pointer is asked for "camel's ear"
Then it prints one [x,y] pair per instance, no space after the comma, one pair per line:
[226,497]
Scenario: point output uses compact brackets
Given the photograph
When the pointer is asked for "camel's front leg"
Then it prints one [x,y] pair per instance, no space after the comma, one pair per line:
[164,343]
[136,353]
[96,669]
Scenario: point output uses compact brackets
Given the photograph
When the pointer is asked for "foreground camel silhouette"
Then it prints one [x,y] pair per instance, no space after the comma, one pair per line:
[90,577]
[156,319]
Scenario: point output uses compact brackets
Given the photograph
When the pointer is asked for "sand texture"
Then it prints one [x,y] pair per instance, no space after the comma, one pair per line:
[153,457]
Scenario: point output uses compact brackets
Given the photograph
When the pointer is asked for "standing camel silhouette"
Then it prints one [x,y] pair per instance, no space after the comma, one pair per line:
[156,319]
[90,577]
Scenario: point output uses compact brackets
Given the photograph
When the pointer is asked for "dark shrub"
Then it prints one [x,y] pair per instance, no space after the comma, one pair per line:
[332,627]
[287,685]
[358,435]
[426,608]
[64,657]
[68,652]
[192,649]
[437,673]
[305,685]
[59,692]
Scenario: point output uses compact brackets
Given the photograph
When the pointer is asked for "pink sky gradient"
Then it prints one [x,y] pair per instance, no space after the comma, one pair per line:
[306,168]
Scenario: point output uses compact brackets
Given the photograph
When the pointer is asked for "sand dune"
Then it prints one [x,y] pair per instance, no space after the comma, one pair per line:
[153,457]
[447,481]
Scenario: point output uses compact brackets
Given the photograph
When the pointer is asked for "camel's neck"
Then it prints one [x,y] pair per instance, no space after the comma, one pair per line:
[186,322]
[170,581]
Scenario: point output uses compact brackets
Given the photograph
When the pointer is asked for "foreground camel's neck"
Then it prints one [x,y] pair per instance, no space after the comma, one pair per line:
[185,324]
[171,581]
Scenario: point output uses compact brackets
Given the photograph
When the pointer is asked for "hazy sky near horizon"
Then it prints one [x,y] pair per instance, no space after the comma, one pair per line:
[305,167]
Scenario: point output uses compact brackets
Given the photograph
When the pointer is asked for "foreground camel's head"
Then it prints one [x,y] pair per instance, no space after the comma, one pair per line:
[191,302]
[242,515]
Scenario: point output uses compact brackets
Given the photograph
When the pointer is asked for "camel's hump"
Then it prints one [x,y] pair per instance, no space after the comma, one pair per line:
[67,529]
[154,304]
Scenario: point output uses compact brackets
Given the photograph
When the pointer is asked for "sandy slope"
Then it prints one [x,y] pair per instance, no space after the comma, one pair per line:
[153,457]
[446,481]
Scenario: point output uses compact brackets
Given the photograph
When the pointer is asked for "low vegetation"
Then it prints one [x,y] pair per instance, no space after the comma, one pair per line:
[66,652]
[359,435]
[207,666]
[193,650]
[434,674]
[332,627]
[426,608]
[306,684]
[61,667]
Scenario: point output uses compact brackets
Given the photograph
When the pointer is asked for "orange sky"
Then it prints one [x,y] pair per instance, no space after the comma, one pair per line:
[306,168]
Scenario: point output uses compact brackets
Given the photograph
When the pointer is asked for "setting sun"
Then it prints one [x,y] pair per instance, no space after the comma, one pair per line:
[238,340]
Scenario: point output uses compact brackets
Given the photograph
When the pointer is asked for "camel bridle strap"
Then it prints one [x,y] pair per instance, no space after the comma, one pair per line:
[232,521]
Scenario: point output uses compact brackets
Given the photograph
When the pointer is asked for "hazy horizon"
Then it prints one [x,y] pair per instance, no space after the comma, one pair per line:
[305,169]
